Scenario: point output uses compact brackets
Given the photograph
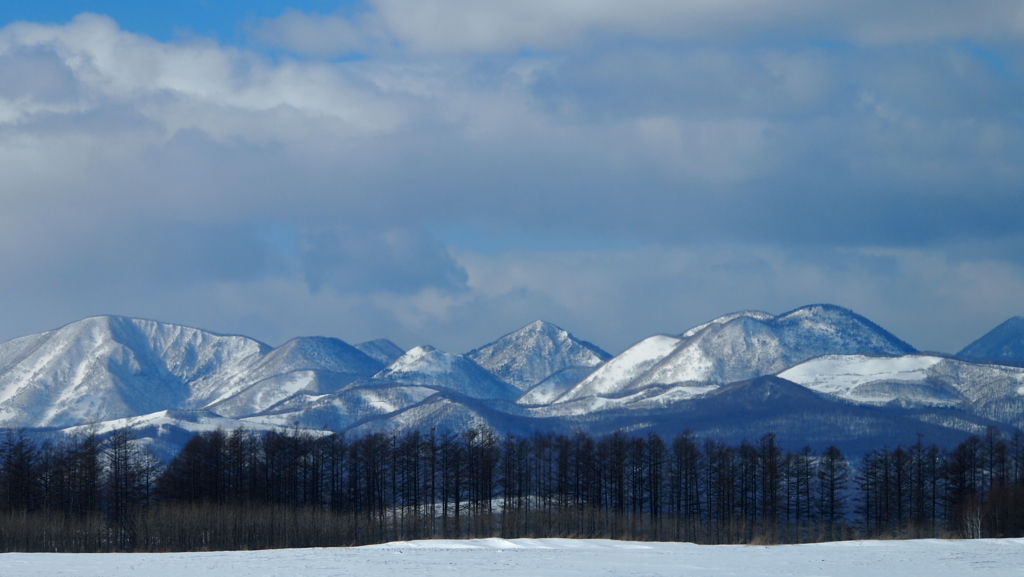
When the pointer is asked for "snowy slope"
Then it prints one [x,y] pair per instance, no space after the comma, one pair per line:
[992,391]
[111,367]
[264,394]
[174,380]
[323,353]
[740,346]
[535,352]
[426,366]
[551,558]
[339,411]
[615,375]
[382,350]
[756,315]
[1003,343]
[556,385]
[311,364]
[751,345]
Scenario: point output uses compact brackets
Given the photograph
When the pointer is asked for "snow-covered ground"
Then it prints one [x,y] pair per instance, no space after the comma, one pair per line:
[552,557]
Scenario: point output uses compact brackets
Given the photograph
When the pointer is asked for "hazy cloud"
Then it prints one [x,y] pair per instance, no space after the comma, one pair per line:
[512,25]
[388,261]
[316,34]
[643,167]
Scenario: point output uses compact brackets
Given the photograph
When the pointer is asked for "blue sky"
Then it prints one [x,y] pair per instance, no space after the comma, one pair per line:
[445,171]
[165,21]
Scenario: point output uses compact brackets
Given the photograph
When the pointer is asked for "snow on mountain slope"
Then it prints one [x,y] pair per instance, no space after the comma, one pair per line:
[191,421]
[750,345]
[992,391]
[383,350]
[428,367]
[268,392]
[616,374]
[313,364]
[756,315]
[323,353]
[843,375]
[1003,343]
[109,367]
[546,391]
[339,411]
[737,347]
[535,352]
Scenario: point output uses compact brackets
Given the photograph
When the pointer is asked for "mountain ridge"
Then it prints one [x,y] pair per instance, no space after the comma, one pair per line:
[1003,343]
[817,364]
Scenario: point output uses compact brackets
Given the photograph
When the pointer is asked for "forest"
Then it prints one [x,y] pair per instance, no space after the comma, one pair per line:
[231,490]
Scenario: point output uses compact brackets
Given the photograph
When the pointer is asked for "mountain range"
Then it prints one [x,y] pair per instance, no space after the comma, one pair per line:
[817,375]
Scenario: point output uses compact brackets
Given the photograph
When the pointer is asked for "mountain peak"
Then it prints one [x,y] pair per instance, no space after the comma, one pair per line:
[383,350]
[1003,343]
[756,315]
[541,326]
[535,352]
[428,367]
[110,366]
[737,347]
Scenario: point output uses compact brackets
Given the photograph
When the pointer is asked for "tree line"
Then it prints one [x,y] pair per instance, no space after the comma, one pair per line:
[292,488]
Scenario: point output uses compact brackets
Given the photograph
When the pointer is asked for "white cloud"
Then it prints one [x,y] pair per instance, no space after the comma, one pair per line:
[143,177]
[923,296]
[462,26]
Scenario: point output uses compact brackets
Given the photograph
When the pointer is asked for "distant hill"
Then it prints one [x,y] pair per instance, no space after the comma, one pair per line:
[1003,343]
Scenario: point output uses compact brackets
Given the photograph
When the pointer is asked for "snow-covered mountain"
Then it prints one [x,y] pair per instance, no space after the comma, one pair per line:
[382,350]
[738,347]
[112,367]
[616,375]
[556,385]
[992,391]
[425,366]
[1003,343]
[109,367]
[535,352]
[308,364]
[820,373]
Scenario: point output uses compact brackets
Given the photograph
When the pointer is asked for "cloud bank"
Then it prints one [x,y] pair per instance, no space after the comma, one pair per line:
[447,171]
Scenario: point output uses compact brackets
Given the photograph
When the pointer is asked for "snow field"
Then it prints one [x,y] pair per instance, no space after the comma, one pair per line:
[552,557]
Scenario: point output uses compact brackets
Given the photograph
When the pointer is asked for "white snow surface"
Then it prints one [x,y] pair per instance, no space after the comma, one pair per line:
[342,409]
[110,367]
[426,366]
[550,558]
[737,347]
[746,345]
[546,391]
[993,391]
[756,315]
[840,374]
[615,375]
